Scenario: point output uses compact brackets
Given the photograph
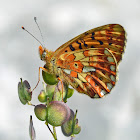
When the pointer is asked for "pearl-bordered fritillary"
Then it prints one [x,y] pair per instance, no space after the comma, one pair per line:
[89,61]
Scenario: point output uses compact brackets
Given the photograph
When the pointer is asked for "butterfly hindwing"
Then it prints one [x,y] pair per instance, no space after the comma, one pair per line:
[93,70]
[89,61]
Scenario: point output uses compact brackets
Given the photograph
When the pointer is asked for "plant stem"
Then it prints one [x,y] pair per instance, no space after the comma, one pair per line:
[54,135]
[29,103]
[54,132]
[75,114]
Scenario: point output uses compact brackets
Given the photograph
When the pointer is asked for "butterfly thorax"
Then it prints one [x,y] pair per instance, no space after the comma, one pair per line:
[50,61]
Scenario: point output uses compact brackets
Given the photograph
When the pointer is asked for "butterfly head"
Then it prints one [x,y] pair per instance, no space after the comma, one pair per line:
[45,55]
[42,53]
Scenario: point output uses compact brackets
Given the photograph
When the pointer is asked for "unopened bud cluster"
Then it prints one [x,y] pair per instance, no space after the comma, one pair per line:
[53,108]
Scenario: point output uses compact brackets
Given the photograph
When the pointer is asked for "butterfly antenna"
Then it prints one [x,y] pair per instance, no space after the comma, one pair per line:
[32,35]
[35,19]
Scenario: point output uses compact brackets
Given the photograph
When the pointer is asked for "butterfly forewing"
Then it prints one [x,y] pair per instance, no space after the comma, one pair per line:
[89,61]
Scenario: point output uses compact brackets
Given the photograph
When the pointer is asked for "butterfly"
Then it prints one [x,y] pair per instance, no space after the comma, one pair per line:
[89,62]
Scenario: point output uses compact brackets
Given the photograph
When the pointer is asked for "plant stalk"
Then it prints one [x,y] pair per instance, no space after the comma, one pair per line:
[53,134]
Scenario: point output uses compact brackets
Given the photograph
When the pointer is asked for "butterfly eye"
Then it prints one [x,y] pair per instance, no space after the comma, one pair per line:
[43,57]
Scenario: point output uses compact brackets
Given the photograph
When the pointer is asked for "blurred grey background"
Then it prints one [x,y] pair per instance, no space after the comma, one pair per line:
[116,117]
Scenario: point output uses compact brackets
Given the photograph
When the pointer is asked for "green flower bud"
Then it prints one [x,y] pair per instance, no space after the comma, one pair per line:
[71,127]
[31,129]
[77,128]
[42,97]
[67,127]
[58,91]
[50,91]
[70,92]
[41,112]
[24,92]
[27,90]
[57,113]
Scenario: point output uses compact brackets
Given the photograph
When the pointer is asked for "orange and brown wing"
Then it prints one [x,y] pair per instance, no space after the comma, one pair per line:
[89,61]
[90,71]
[111,36]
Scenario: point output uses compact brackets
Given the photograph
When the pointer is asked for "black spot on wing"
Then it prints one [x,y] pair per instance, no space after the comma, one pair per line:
[110,43]
[101,43]
[85,44]
[86,33]
[71,47]
[93,33]
[80,47]
[92,46]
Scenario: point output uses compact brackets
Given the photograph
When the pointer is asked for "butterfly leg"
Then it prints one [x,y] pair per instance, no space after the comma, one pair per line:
[39,77]
[62,87]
